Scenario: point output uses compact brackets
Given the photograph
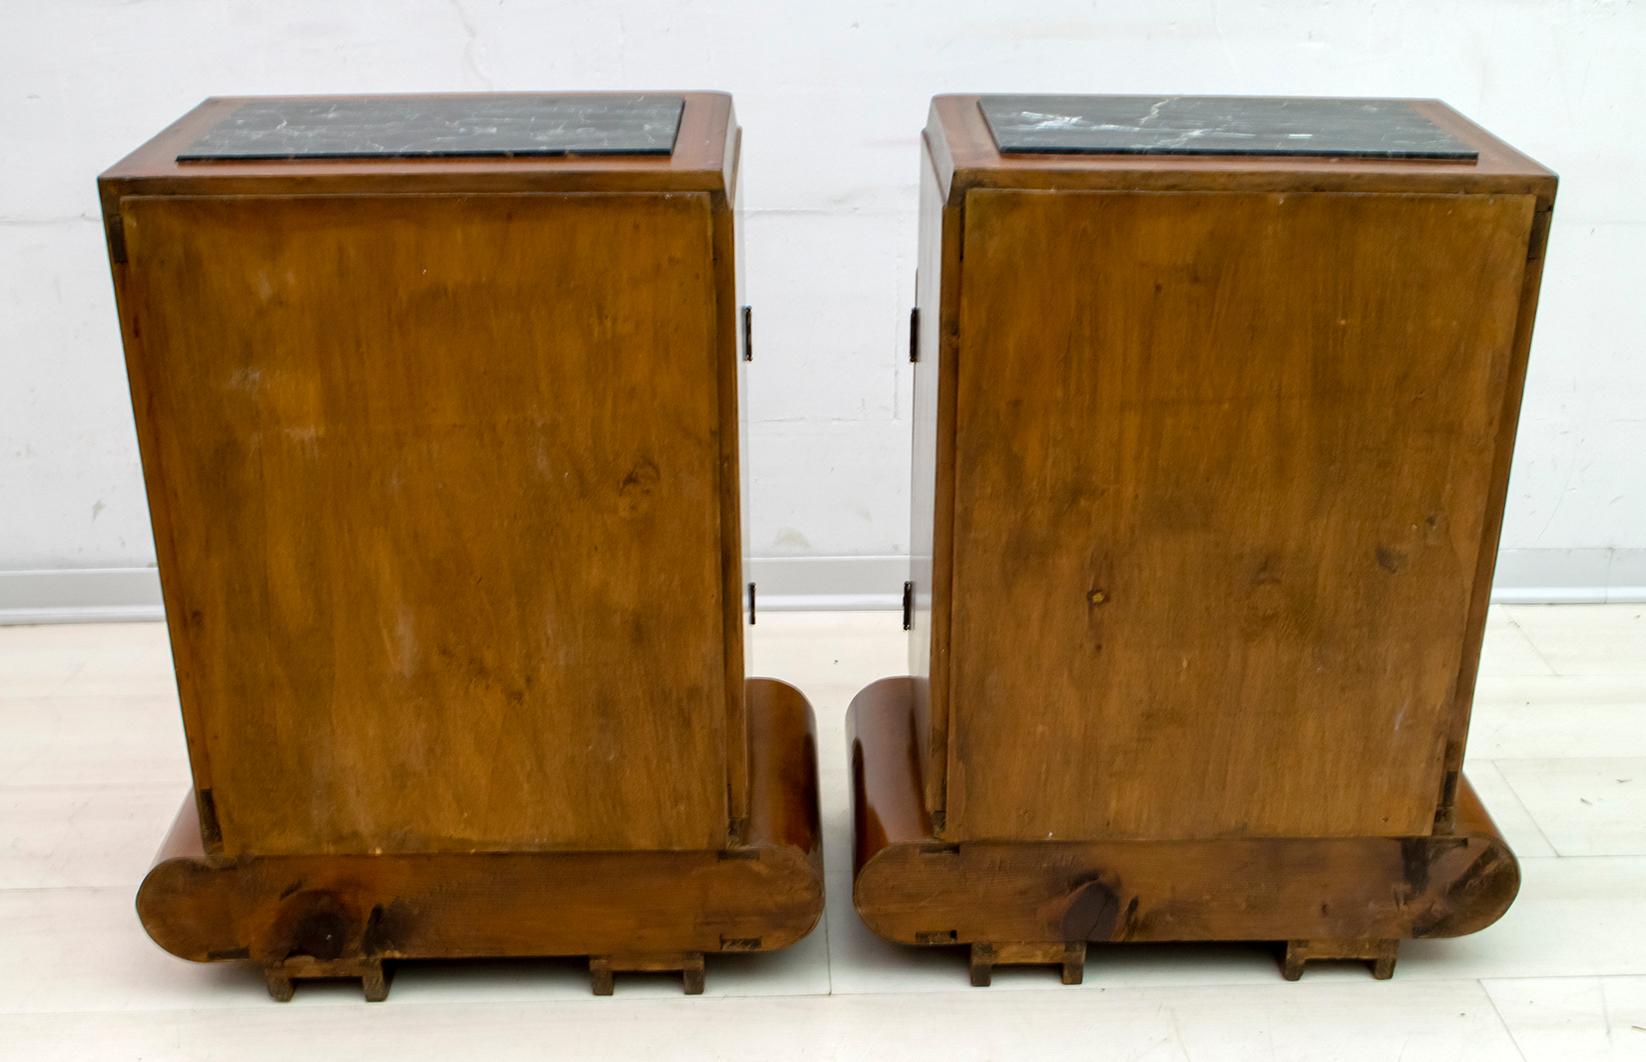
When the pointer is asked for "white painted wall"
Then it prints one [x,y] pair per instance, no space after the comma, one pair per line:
[831,97]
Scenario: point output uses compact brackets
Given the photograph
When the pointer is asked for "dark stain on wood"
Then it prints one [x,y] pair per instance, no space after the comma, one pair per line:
[1094,908]
[209,829]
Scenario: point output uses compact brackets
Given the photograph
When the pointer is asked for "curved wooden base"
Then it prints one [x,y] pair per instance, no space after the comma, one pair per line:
[1029,901]
[345,915]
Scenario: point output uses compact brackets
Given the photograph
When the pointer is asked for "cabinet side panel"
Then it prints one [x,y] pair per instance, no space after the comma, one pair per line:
[930,494]
[732,373]
[1470,671]
[1225,464]
[441,483]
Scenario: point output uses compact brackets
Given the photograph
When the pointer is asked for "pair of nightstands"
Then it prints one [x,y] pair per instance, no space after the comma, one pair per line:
[441,404]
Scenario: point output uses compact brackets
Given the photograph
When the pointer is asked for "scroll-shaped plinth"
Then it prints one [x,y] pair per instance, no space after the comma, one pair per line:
[344,915]
[912,886]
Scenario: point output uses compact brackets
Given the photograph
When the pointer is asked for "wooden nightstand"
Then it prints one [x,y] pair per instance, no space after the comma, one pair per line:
[438,400]
[1214,406]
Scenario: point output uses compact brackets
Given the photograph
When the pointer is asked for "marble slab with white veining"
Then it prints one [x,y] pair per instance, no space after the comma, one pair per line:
[442,126]
[1216,125]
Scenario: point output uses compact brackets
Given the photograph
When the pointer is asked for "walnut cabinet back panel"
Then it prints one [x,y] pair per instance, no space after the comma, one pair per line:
[1222,464]
[441,410]
[443,460]
[1210,456]
[447,495]
[1214,402]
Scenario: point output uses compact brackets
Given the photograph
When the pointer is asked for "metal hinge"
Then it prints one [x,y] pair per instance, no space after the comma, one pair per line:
[748,333]
[914,334]
[908,606]
[751,604]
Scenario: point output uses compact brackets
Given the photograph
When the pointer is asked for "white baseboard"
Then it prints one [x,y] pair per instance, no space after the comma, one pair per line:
[80,595]
[792,584]
[828,584]
[1570,576]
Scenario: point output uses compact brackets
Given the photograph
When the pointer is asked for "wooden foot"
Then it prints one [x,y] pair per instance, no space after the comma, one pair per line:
[603,968]
[982,965]
[1074,964]
[1379,953]
[600,976]
[280,986]
[281,976]
[374,983]
[1071,958]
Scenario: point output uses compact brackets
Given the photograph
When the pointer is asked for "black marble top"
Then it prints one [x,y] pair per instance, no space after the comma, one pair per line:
[442,126]
[1216,125]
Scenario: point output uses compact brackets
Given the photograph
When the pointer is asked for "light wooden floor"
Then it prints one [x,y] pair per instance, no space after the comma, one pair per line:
[92,770]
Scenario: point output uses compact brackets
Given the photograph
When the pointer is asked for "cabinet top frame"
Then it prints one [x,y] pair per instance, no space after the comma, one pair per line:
[703,160]
[964,156]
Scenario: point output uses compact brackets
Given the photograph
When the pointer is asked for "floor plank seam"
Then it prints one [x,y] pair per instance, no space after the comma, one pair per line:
[1501,1020]
[1521,803]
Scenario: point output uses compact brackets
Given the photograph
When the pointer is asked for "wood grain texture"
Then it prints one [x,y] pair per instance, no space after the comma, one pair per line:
[1223,464]
[443,498]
